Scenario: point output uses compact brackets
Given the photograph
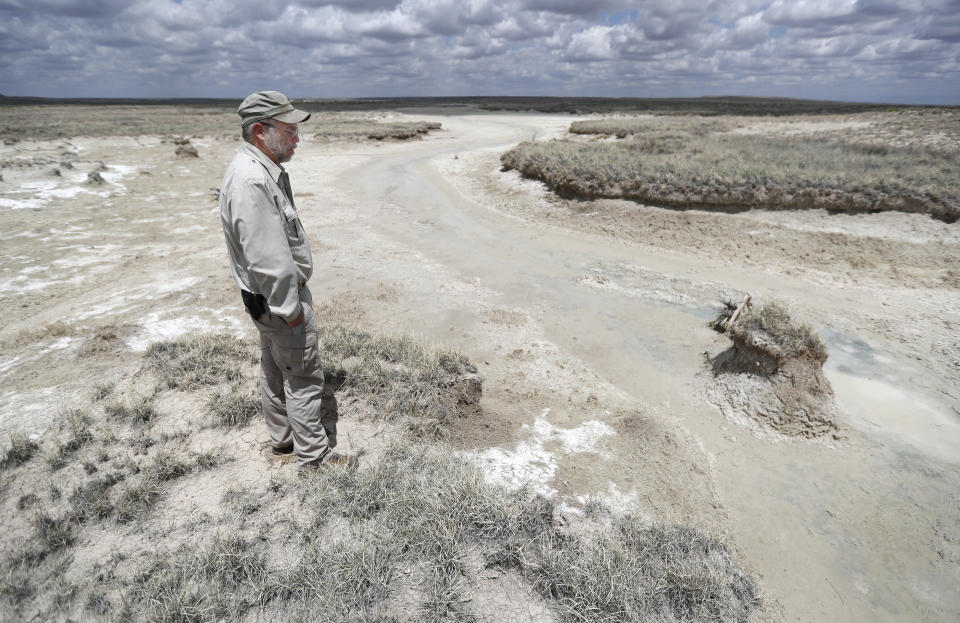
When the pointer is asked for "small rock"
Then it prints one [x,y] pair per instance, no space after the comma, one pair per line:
[94,177]
[55,172]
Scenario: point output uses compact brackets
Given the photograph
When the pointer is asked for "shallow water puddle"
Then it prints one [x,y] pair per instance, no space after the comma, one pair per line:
[876,407]
[868,385]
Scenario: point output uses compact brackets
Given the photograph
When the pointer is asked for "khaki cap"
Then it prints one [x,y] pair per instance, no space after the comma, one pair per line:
[269,105]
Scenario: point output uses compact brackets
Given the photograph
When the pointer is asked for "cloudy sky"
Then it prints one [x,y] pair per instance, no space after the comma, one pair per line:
[862,50]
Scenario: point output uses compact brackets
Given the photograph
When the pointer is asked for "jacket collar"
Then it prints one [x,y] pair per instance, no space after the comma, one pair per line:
[272,168]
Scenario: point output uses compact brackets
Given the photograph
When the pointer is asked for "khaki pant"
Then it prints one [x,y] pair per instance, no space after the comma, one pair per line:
[291,384]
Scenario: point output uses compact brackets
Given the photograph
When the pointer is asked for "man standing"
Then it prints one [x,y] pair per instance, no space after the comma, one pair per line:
[271,262]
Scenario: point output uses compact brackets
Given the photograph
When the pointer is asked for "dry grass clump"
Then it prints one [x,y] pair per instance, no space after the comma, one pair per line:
[357,128]
[769,327]
[696,166]
[77,423]
[401,377]
[233,406]
[221,581]
[21,450]
[640,572]
[138,410]
[199,359]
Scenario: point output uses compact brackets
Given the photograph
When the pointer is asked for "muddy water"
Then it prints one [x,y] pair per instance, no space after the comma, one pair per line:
[860,529]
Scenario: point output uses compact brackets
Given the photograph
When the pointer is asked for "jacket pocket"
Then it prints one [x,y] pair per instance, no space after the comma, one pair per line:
[291,222]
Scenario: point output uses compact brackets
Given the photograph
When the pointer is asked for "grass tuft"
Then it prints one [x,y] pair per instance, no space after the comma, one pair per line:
[641,572]
[233,407]
[91,500]
[52,534]
[138,411]
[21,450]
[197,360]
[402,377]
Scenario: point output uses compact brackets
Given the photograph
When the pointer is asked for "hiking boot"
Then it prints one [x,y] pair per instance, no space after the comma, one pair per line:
[332,460]
[340,460]
[281,451]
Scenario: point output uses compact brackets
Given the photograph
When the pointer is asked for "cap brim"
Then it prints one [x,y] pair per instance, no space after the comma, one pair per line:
[294,116]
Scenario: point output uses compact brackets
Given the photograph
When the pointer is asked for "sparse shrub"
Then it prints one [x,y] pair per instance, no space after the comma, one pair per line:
[197,360]
[233,407]
[22,449]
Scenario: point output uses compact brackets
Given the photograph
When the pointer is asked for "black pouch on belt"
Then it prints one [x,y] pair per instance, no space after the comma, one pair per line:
[256,304]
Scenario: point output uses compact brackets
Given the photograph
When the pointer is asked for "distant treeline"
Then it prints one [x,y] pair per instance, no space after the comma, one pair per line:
[574,105]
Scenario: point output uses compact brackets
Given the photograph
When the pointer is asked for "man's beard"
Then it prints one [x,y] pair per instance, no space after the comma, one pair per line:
[276,144]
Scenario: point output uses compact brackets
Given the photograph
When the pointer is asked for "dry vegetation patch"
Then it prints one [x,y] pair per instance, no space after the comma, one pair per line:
[407,535]
[693,162]
[401,378]
[338,128]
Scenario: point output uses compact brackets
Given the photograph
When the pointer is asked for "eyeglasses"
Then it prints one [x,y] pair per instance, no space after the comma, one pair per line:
[294,133]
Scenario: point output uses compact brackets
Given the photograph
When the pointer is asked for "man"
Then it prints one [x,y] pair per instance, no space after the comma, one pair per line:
[271,262]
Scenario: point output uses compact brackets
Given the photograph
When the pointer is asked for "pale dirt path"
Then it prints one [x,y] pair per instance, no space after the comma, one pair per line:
[864,529]
[591,341]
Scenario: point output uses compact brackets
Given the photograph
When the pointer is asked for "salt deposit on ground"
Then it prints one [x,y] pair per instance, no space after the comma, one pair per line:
[531,463]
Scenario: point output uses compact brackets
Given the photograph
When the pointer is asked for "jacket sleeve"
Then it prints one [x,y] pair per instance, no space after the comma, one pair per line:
[259,228]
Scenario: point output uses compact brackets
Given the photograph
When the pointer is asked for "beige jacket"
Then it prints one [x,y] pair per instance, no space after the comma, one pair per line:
[268,248]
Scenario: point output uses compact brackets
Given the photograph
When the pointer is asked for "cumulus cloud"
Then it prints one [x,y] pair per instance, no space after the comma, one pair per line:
[889,50]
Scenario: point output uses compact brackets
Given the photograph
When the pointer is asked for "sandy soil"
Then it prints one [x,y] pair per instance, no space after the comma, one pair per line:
[588,320]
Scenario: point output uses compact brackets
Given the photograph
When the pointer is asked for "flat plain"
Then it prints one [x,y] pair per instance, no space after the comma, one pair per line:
[135,483]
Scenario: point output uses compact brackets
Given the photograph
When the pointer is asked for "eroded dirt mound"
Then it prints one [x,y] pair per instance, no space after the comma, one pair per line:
[773,372]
